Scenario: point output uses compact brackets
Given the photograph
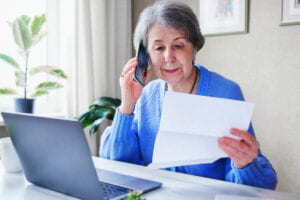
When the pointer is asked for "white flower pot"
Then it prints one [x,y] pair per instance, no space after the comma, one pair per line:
[9,158]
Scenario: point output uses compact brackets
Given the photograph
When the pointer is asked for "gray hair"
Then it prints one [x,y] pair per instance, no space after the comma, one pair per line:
[173,14]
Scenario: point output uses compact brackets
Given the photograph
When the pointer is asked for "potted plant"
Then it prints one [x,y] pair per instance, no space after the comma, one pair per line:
[134,195]
[99,115]
[102,108]
[27,33]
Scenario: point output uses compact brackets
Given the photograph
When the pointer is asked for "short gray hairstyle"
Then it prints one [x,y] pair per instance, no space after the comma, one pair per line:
[173,14]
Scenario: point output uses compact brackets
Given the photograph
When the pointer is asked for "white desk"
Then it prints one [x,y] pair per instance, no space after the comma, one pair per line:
[175,185]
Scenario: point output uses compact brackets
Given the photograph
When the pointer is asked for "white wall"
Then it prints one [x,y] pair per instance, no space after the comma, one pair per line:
[266,64]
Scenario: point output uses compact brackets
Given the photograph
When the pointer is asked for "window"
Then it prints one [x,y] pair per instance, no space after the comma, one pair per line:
[45,52]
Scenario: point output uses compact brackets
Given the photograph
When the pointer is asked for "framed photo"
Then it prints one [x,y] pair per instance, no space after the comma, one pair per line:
[219,17]
[290,12]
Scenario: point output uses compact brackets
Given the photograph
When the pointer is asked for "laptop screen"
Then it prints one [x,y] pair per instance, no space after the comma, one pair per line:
[54,154]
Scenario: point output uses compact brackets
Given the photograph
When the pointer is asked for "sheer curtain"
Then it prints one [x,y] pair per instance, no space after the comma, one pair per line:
[95,43]
[101,46]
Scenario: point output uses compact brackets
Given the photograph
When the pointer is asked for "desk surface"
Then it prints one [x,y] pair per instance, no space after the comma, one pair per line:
[175,185]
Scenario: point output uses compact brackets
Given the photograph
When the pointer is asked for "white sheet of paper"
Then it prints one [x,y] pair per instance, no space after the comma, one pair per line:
[190,126]
[238,197]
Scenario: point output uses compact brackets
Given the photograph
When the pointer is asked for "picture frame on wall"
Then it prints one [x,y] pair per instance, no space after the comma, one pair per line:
[290,12]
[222,17]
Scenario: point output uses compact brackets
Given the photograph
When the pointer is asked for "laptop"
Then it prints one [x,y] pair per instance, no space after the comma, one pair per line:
[55,155]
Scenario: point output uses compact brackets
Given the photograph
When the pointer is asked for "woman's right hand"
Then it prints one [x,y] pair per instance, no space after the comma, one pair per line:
[130,90]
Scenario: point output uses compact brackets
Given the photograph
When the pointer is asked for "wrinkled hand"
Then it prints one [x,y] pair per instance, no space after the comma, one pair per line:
[130,90]
[242,152]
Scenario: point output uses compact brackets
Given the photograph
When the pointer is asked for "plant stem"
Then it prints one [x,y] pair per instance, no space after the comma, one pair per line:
[26,74]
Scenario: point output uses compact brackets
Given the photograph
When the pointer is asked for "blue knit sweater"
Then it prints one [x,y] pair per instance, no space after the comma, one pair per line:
[131,138]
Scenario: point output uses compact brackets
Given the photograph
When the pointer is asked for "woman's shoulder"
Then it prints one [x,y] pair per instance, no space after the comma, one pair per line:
[154,85]
[218,85]
[214,76]
[153,90]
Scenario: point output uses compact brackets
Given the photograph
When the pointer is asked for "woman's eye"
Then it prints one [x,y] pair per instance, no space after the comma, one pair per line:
[158,48]
[179,46]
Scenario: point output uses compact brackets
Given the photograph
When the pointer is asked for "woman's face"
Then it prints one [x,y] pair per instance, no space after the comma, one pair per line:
[171,55]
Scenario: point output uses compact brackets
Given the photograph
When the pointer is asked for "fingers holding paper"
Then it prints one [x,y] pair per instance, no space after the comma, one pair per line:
[242,152]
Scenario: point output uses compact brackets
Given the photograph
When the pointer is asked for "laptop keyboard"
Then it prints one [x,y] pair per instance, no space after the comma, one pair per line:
[111,191]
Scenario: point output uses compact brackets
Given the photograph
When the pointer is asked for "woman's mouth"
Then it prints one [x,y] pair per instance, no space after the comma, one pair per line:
[170,71]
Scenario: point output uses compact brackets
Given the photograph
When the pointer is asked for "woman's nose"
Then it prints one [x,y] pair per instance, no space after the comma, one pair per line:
[169,56]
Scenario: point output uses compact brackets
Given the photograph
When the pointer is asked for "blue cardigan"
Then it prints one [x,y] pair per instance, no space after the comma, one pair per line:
[131,138]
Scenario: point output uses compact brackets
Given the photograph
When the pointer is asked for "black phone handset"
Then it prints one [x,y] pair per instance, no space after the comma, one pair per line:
[143,63]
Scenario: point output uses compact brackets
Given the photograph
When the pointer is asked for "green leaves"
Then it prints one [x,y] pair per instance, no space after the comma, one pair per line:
[7,91]
[38,93]
[26,19]
[106,101]
[37,24]
[9,60]
[102,108]
[25,34]
[134,195]
[20,78]
[21,33]
[43,88]
[54,71]
[49,85]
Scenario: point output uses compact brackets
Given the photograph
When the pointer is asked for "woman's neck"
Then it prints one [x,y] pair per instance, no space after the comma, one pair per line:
[190,87]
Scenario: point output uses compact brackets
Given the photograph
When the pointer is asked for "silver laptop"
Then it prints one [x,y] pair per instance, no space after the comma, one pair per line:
[55,155]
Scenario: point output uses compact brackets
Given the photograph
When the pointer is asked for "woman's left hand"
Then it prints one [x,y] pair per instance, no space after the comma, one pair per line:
[242,152]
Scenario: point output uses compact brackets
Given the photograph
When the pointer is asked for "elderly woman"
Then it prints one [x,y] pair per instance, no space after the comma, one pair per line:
[170,32]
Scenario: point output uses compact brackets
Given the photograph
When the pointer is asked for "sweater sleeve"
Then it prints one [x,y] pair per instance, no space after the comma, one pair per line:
[259,173]
[131,138]
[119,141]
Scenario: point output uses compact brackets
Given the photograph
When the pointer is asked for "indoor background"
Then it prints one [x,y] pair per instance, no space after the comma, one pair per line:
[265,62]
